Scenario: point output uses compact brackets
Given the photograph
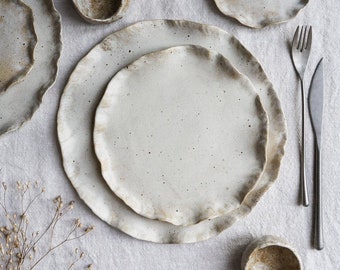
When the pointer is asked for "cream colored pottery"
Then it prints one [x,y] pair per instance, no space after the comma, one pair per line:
[17,44]
[270,253]
[101,11]
[260,13]
[181,135]
[18,104]
[86,87]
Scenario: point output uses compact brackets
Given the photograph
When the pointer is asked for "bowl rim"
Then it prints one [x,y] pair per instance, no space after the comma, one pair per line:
[124,4]
[267,241]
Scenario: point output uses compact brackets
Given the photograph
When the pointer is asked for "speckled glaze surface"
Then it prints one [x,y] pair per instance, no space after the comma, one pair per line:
[101,11]
[18,41]
[18,104]
[270,252]
[86,87]
[181,135]
[260,13]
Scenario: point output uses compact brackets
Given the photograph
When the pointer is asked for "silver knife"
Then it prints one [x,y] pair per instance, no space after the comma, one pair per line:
[316,110]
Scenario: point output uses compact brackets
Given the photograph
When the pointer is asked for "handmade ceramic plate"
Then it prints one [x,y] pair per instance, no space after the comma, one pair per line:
[86,87]
[181,135]
[18,104]
[18,40]
[260,13]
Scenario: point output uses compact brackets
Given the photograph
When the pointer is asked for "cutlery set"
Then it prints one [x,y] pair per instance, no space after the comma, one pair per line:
[301,48]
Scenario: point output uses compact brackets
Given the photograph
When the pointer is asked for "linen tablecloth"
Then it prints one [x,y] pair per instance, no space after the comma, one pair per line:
[32,152]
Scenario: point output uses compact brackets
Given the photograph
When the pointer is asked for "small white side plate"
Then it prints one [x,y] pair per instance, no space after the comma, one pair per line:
[181,135]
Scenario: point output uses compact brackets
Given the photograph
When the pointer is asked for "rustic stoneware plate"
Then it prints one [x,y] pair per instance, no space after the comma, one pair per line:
[17,44]
[18,104]
[86,87]
[101,11]
[260,13]
[181,135]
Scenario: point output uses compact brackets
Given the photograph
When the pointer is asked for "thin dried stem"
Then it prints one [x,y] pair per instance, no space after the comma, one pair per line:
[77,259]
[67,239]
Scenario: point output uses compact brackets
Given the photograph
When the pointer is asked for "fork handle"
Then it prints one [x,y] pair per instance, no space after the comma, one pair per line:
[303,181]
[318,214]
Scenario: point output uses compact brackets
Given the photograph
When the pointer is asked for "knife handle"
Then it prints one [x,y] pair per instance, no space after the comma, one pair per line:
[318,222]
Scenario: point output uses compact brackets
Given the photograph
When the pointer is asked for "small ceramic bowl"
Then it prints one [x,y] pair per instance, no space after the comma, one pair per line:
[270,252]
[101,11]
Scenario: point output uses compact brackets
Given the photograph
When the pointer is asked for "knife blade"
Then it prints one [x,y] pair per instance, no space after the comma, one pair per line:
[315,99]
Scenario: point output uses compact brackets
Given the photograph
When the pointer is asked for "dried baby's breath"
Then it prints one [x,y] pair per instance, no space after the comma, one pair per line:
[88,229]
[21,242]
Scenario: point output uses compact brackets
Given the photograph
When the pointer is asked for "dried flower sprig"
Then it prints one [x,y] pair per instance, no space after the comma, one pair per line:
[20,243]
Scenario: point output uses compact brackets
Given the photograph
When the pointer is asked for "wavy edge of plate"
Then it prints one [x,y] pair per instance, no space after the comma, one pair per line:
[56,18]
[196,215]
[33,42]
[212,229]
[225,11]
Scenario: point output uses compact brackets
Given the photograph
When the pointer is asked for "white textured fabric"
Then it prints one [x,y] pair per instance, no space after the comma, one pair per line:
[33,152]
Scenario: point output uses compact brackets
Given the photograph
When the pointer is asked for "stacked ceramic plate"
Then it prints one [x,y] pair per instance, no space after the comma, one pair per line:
[29,51]
[170,131]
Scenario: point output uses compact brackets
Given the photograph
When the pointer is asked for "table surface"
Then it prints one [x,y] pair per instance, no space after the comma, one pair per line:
[32,152]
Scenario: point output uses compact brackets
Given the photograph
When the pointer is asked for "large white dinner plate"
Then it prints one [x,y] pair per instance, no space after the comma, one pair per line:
[86,87]
[181,135]
[260,13]
[18,103]
[17,44]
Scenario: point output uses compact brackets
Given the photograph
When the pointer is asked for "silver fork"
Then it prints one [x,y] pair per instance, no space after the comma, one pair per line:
[301,47]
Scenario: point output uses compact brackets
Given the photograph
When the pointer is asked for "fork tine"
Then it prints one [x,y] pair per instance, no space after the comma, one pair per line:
[302,38]
[295,38]
[304,43]
[309,38]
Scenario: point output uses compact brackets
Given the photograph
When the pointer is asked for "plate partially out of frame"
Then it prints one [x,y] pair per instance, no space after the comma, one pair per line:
[18,103]
[260,13]
[18,41]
